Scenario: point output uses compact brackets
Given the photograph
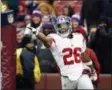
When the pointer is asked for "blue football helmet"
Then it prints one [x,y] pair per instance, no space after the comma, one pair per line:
[64,27]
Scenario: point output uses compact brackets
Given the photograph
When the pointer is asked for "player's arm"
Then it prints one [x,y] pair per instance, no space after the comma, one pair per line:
[86,60]
[45,39]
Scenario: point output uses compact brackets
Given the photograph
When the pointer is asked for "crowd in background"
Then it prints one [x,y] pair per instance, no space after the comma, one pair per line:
[94,22]
[98,23]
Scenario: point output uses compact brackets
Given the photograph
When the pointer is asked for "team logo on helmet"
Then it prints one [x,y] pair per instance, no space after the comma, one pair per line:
[63,26]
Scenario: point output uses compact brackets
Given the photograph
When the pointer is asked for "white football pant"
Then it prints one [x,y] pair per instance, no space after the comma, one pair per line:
[83,82]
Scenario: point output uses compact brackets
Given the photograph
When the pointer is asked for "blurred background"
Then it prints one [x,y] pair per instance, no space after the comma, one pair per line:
[91,18]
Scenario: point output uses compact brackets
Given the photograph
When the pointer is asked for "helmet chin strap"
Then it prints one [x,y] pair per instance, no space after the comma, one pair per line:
[64,35]
[70,36]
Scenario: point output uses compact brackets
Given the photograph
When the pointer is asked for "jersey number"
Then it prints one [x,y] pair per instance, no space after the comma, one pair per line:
[71,52]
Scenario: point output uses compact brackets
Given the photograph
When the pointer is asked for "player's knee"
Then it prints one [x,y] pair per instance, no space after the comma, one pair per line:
[85,83]
[89,87]
[86,87]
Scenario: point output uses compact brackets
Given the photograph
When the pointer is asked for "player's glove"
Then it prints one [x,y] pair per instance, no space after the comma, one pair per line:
[93,76]
[86,70]
[92,73]
[31,29]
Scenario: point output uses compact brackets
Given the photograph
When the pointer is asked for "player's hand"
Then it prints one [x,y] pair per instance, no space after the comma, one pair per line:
[86,70]
[93,76]
[102,25]
[31,28]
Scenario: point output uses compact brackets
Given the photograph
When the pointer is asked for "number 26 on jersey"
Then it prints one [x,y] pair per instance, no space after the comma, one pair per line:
[75,53]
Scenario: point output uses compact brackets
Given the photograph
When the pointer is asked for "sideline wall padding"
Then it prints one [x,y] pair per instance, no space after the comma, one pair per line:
[53,82]
[8,60]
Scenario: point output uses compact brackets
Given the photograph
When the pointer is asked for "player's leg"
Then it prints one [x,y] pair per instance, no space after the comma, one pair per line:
[84,82]
[67,83]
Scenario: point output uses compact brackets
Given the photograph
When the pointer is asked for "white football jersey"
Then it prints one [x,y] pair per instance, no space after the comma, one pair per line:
[67,53]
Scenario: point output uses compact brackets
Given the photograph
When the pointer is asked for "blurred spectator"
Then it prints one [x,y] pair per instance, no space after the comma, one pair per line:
[49,18]
[92,33]
[48,28]
[46,7]
[76,25]
[91,12]
[68,11]
[31,6]
[46,18]
[35,25]
[58,5]
[27,19]
[19,37]
[25,7]
[4,6]
[47,61]
[109,9]
[22,10]
[27,68]
[102,44]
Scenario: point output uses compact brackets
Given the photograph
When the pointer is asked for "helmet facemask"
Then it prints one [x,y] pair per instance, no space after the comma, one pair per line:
[64,29]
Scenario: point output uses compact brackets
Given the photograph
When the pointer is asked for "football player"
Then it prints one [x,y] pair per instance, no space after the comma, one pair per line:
[68,49]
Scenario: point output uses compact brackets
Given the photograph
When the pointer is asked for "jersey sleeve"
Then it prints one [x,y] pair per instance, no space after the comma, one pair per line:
[53,40]
[83,45]
[83,41]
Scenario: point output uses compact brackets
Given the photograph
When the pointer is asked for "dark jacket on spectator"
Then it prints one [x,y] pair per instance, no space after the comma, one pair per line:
[81,30]
[27,69]
[32,6]
[92,10]
[47,61]
[102,45]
